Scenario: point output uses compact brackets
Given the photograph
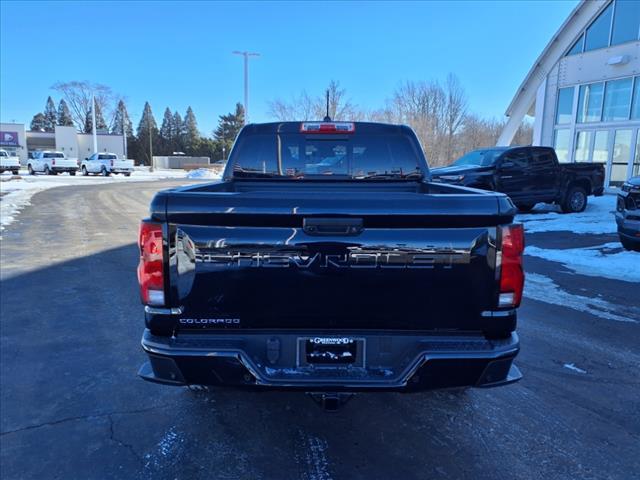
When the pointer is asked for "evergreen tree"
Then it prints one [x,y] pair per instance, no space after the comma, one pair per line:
[121,121]
[38,122]
[147,128]
[228,128]
[190,134]
[50,115]
[64,115]
[101,125]
[88,122]
[166,132]
[176,133]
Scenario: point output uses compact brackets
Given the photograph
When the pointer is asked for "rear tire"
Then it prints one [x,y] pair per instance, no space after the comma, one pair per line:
[128,174]
[73,174]
[575,201]
[15,172]
[31,170]
[104,172]
[47,170]
[85,173]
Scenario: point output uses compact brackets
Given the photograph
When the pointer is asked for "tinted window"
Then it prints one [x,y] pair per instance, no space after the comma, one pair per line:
[482,158]
[590,102]
[53,155]
[626,21]
[543,158]
[565,105]
[617,100]
[598,32]
[107,157]
[298,156]
[519,158]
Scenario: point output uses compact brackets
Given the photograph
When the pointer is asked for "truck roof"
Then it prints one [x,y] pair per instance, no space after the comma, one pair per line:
[294,127]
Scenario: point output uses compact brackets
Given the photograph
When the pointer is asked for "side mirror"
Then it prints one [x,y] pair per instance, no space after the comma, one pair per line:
[86,158]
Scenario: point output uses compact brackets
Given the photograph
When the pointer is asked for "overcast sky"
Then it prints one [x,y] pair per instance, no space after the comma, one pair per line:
[179,54]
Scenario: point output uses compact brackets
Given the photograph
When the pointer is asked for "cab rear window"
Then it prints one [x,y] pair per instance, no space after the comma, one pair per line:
[351,156]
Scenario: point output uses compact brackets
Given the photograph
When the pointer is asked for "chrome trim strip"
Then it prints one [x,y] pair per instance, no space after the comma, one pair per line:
[500,314]
[163,311]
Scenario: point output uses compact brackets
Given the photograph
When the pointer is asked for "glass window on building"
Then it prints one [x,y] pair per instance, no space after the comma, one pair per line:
[597,35]
[617,100]
[626,22]
[636,160]
[561,144]
[601,147]
[583,143]
[590,102]
[577,47]
[565,105]
[620,158]
[635,107]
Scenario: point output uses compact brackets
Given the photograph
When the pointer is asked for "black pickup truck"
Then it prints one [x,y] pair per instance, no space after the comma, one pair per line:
[325,261]
[528,175]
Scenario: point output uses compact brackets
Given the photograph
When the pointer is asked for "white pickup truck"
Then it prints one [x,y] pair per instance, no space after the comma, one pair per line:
[105,164]
[51,163]
[9,163]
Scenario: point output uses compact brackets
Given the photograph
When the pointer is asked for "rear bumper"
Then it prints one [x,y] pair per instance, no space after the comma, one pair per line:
[64,169]
[9,168]
[390,361]
[121,170]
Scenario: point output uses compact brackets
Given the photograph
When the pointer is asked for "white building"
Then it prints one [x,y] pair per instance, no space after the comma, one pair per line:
[18,141]
[584,90]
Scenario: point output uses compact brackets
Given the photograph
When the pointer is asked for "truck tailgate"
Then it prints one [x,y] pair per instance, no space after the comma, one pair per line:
[339,260]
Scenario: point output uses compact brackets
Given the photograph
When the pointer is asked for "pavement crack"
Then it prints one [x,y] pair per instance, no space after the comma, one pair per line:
[123,444]
[80,417]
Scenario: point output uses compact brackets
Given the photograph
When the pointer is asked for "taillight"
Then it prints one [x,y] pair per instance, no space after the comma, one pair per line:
[53,162]
[150,268]
[511,271]
[327,127]
[112,163]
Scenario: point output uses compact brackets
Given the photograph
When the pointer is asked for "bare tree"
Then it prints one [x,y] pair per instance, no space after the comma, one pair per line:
[78,97]
[455,110]
[306,107]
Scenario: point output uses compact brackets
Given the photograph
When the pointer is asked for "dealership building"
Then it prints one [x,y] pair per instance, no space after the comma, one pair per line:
[18,141]
[584,90]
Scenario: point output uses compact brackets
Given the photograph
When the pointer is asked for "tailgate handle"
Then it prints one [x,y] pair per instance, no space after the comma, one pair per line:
[332,226]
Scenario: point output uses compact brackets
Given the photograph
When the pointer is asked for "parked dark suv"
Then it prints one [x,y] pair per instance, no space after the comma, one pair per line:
[628,214]
[528,175]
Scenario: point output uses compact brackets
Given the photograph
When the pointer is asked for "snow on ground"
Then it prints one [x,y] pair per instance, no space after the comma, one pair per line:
[608,260]
[544,289]
[203,173]
[596,219]
[16,192]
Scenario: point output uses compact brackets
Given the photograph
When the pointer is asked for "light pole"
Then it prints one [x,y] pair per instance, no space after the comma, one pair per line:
[246,56]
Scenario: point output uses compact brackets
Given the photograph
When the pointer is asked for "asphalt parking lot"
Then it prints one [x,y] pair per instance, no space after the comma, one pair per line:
[73,407]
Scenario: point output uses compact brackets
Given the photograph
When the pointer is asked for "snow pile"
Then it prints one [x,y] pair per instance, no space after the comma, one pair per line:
[204,173]
[596,219]
[542,288]
[608,260]
[16,192]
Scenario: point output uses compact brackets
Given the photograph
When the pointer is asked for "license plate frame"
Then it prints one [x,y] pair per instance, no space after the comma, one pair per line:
[310,350]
